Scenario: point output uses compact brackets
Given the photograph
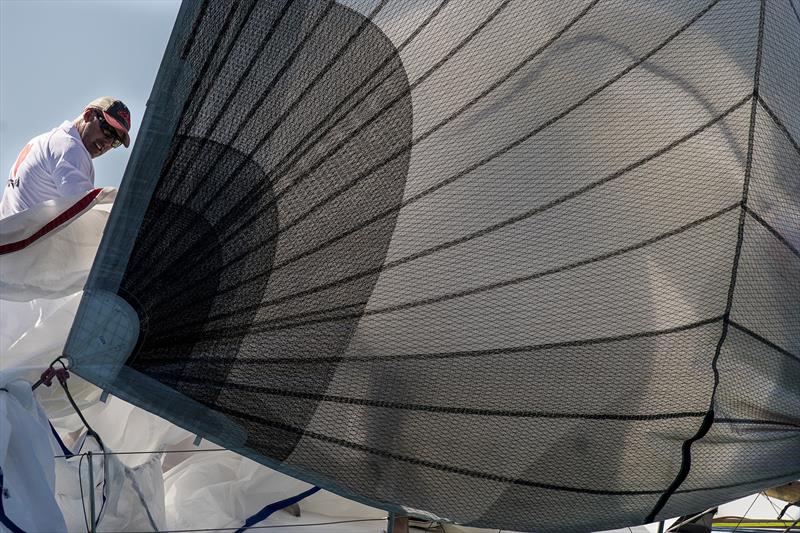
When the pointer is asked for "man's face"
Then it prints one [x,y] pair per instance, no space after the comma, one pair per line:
[95,139]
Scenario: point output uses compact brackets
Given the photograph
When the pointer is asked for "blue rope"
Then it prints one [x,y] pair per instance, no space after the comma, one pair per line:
[66,451]
[264,513]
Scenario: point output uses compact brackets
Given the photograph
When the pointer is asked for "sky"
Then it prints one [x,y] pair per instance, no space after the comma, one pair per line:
[58,55]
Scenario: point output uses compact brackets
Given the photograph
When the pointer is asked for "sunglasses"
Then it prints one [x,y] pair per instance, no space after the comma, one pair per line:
[108,130]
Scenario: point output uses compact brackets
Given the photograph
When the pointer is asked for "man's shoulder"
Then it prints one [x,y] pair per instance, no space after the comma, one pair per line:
[63,139]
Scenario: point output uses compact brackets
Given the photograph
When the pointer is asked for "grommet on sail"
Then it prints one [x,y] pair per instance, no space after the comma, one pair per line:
[527,265]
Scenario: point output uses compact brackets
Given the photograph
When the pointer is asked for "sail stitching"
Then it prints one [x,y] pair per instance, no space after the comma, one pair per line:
[775,233]
[423,136]
[778,123]
[755,421]
[254,194]
[471,411]
[458,470]
[222,332]
[794,9]
[201,76]
[450,355]
[532,212]
[763,340]
[223,108]
[195,27]
[708,421]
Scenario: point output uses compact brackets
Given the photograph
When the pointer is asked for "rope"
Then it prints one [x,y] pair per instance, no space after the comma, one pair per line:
[267,511]
[151,452]
[745,513]
[62,375]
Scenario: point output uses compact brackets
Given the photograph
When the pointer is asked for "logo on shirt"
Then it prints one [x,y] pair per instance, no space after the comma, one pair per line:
[20,158]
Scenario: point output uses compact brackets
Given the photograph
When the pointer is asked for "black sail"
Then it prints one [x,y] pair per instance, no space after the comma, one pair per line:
[514,264]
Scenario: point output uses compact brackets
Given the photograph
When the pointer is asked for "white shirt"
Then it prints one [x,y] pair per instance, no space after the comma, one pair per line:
[51,165]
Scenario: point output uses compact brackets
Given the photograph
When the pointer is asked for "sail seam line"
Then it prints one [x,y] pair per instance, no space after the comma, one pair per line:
[468,411]
[422,462]
[485,160]
[451,355]
[423,253]
[796,13]
[778,123]
[255,192]
[187,256]
[187,47]
[468,292]
[755,421]
[765,341]
[398,153]
[775,233]
[201,76]
[458,470]
[788,477]
[708,421]
[506,149]
[229,99]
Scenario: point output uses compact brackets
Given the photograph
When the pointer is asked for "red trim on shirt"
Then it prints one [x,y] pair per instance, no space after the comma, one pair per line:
[20,158]
[74,210]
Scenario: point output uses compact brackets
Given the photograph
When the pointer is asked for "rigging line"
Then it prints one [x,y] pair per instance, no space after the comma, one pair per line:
[741,519]
[83,501]
[783,240]
[448,355]
[150,452]
[778,123]
[264,326]
[532,212]
[270,87]
[254,194]
[763,340]
[708,421]
[774,507]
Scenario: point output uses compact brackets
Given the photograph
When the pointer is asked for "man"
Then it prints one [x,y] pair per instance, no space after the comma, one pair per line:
[59,163]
